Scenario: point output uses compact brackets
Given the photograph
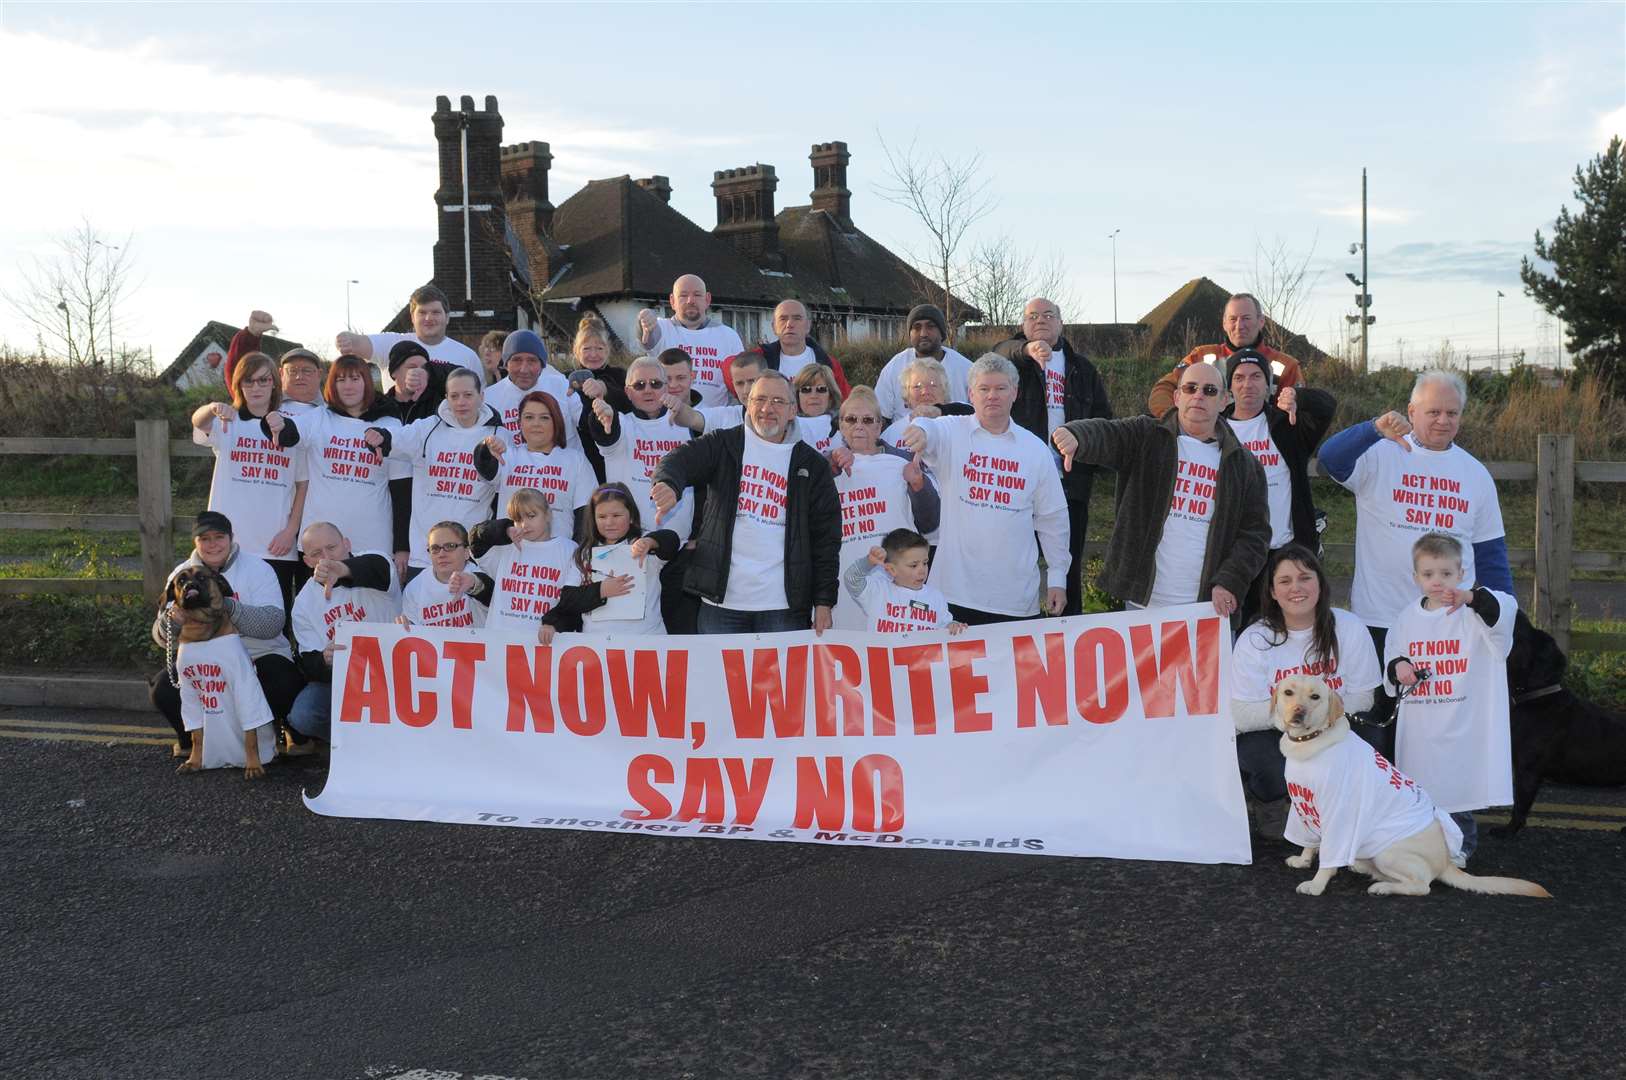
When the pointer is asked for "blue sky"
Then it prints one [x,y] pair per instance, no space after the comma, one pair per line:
[262,154]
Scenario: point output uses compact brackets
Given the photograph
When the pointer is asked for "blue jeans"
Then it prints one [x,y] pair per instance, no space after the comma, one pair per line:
[311,714]
[1470,831]
[721,620]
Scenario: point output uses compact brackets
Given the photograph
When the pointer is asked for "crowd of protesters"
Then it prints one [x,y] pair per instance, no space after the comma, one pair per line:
[707,487]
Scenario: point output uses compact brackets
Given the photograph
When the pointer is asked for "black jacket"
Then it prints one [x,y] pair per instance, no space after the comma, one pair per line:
[1084,398]
[812,508]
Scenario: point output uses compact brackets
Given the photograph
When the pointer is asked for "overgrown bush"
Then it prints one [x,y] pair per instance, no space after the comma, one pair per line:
[65,632]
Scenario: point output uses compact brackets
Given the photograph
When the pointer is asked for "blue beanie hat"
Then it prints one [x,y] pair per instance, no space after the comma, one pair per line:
[524,341]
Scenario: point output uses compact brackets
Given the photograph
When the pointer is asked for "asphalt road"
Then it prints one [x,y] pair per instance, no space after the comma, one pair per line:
[164,926]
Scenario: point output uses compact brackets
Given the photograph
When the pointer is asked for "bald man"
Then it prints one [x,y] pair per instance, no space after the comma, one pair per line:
[793,348]
[710,345]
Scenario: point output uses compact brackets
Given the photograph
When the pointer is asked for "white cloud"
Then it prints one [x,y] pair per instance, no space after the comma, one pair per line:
[1611,124]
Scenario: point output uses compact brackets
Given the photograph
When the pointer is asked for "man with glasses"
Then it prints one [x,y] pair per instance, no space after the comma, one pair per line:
[1057,383]
[743,372]
[301,372]
[633,443]
[792,348]
[1193,519]
[1244,324]
[768,541]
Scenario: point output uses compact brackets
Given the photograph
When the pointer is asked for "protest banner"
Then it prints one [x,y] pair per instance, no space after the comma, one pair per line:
[1106,735]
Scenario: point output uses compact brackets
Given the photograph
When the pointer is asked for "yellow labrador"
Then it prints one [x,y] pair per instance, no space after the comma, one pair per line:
[1358,809]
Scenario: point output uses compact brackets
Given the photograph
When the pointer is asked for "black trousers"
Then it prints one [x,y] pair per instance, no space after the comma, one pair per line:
[280,679]
[1381,739]
[1078,523]
[679,610]
[973,617]
[291,576]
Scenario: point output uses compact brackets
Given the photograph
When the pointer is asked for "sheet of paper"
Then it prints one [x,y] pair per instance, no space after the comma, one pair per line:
[618,559]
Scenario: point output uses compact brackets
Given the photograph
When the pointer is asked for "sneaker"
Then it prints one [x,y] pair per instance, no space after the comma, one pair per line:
[1460,861]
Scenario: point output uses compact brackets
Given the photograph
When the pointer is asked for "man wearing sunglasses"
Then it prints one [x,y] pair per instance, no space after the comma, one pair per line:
[1193,519]
[633,443]
[1244,323]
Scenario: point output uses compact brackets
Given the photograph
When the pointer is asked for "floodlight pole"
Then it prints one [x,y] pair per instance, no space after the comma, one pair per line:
[1366,281]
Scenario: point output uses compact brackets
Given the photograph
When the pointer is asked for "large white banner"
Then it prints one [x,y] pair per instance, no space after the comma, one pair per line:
[1104,735]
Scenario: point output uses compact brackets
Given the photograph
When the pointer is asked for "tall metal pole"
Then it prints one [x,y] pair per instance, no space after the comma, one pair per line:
[110,297]
[1498,329]
[1366,282]
[348,325]
[1113,236]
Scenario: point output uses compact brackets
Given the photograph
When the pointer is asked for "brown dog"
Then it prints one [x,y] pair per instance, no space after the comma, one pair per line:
[197,596]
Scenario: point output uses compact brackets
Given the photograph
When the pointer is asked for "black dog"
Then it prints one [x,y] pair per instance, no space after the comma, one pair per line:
[1556,735]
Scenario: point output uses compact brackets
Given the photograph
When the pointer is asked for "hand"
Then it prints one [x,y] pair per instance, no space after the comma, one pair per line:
[925,412]
[350,344]
[841,460]
[605,414]
[260,323]
[1460,598]
[1066,444]
[402,620]
[1055,600]
[516,535]
[413,383]
[877,556]
[1393,426]
[1039,351]
[402,560]
[1224,602]
[615,585]
[283,542]
[914,474]
[664,498]
[647,327]
[328,573]
[821,619]
[1405,674]
[461,583]
[373,438]
[544,634]
[327,653]
[594,389]
[913,440]
[640,548]
[275,422]
[673,402]
[222,412]
[496,444]
[1288,402]
[955,629]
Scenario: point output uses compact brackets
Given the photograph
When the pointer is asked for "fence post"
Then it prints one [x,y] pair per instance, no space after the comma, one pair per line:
[1555,533]
[154,507]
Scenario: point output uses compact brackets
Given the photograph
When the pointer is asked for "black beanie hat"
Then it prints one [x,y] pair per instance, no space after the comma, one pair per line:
[1248,356]
[930,312]
[210,521]
[404,351]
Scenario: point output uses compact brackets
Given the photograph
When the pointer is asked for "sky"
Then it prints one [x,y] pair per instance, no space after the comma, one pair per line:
[261,156]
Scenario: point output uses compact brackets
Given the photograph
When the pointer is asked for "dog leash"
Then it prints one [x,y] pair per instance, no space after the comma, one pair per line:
[1401,694]
[1532,695]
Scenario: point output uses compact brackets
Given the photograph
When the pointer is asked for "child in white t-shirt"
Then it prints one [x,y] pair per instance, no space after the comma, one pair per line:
[527,563]
[613,521]
[889,586]
[1447,654]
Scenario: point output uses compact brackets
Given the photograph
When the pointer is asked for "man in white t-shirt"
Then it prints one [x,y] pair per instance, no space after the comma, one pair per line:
[1002,502]
[792,348]
[301,372]
[927,330]
[1193,521]
[429,309]
[709,345]
[525,355]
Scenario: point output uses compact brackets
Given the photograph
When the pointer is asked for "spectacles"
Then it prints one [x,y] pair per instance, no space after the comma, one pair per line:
[776,402]
[650,384]
[1042,316]
[263,380]
[444,549]
[1206,389]
[820,389]
[860,421]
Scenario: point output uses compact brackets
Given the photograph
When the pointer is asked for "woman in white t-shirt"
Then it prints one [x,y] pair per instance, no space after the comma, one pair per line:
[256,483]
[542,462]
[613,520]
[818,395]
[453,592]
[1299,632]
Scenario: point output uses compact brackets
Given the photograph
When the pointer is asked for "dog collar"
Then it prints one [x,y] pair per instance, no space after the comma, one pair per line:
[1531,695]
[1304,738]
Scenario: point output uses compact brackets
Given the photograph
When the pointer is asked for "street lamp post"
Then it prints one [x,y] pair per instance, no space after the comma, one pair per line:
[109,247]
[348,282]
[1498,330]
[1113,236]
[67,327]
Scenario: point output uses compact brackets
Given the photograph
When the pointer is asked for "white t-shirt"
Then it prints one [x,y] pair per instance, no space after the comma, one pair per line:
[316,615]
[563,475]
[253,584]
[428,602]
[889,383]
[708,348]
[1184,542]
[505,397]
[756,569]
[448,350]
[1452,733]
[1260,660]
[290,407]
[874,501]
[791,366]
[815,431]
[1399,496]
[445,484]
[349,483]
[253,483]
[1055,388]
[888,608]
[632,458]
[998,491]
[221,694]
[1255,435]
[1352,804]
[528,576]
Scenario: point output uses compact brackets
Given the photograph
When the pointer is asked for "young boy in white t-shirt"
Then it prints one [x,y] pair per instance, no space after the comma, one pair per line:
[889,586]
[1448,654]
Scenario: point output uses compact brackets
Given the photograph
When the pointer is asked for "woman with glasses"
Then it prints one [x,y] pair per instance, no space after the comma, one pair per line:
[541,463]
[258,485]
[632,443]
[454,592]
[925,395]
[818,395]
[881,487]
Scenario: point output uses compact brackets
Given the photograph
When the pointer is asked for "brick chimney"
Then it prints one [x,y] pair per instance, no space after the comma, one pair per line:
[525,187]
[481,299]
[658,186]
[830,192]
[745,213]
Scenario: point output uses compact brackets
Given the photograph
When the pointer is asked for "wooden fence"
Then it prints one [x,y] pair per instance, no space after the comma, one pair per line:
[1554,472]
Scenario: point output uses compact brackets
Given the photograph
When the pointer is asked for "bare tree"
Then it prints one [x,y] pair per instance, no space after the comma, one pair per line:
[1003,277]
[71,299]
[1283,281]
[947,196]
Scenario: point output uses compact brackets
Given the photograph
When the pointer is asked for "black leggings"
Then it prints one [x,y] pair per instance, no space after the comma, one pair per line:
[280,679]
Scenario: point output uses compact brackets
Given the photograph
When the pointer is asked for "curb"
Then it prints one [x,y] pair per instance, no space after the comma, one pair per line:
[74,690]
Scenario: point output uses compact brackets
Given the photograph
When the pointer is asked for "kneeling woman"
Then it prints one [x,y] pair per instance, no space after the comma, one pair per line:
[454,592]
[1299,632]
[612,521]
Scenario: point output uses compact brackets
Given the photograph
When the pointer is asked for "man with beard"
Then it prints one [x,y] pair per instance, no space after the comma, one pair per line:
[709,345]
[927,331]
[1244,325]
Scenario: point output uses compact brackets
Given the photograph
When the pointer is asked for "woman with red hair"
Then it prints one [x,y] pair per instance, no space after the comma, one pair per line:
[542,463]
